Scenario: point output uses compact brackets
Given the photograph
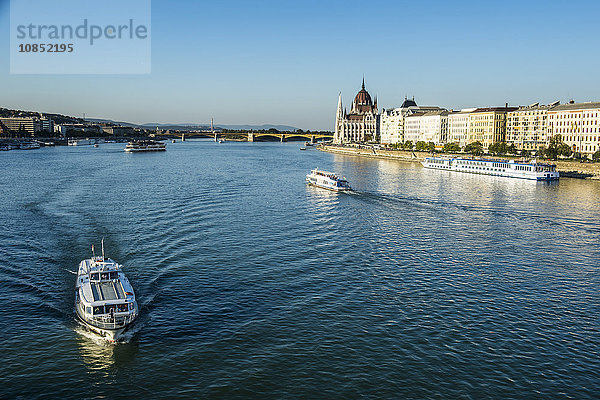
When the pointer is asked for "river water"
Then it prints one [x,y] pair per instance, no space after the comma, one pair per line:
[421,284]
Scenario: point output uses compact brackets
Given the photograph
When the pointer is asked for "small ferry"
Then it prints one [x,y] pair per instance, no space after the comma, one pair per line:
[507,168]
[327,180]
[29,145]
[137,146]
[81,142]
[104,298]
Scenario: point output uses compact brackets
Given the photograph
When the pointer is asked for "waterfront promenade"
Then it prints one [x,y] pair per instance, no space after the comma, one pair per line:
[566,168]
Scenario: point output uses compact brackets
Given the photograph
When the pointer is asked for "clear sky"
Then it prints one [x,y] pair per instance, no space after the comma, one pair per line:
[284,62]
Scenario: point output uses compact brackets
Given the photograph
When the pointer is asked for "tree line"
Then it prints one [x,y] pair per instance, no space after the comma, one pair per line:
[556,149]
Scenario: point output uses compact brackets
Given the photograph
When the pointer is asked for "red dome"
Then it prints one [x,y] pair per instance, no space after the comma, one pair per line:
[363,98]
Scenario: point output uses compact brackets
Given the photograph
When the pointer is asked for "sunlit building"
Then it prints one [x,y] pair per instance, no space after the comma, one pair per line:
[488,125]
[392,121]
[361,124]
[458,126]
[527,127]
[578,124]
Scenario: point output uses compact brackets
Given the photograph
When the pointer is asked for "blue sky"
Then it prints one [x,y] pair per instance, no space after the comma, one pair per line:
[284,62]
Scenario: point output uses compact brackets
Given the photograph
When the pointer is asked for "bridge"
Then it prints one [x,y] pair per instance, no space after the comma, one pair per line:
[252,136]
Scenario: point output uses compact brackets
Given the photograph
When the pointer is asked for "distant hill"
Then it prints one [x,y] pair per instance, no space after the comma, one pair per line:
[60,119]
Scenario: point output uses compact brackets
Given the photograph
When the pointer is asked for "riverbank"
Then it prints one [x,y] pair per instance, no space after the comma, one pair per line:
[568,169]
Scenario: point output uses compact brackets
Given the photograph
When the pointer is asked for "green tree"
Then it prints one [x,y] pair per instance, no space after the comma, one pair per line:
[556,148]
[525,153]
[408,145]
[451,148]
[596,156]
[475,148]
[564,150]
[421,146]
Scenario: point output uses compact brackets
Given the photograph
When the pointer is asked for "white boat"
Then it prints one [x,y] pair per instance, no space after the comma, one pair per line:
[29,145]
[327,180]
[137,146]
[507,168]
[81,142]
[104,298]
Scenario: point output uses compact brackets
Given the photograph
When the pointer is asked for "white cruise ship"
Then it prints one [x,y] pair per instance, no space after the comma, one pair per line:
[327,180]
[512,169]
[137,146]
[104,298]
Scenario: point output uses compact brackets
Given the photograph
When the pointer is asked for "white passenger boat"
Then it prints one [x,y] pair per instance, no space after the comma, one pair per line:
[137,146]
[508,168]
[327,180]
[81,142]
[104,298]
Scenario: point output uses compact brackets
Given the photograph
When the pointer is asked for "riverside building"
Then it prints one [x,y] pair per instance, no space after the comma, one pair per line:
[392,121]
[429,126]
[361,124]
[28,125]
[527,127]
[458,126]
[578,124]
[488,125]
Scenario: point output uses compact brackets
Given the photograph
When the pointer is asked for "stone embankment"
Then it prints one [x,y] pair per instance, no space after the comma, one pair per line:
[572,169]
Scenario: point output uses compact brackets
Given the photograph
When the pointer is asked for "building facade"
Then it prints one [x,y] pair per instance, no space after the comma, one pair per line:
[361,124]
[527,127]
[27,125]
[488,125]
[578,124]
[459,123]
[392,121]
[431,126]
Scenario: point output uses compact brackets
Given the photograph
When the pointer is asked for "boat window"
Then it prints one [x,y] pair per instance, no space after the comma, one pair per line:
[104,275]
[110,308]
[98,310]
[122,307]
[94,277]
[114,275]
[131,306]
[88,310]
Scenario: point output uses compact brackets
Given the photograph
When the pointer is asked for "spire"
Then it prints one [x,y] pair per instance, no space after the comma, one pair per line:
[363,84]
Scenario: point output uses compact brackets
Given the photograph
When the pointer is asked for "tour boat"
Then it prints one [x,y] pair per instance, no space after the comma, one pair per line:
[511,169]
[29,145]
[104,298]
[137,146]
[327,180]
[81,142]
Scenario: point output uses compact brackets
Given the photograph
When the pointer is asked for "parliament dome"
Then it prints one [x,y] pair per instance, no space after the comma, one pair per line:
[363,97]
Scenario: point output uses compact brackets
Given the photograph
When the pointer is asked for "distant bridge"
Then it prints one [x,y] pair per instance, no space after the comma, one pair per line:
[252,136]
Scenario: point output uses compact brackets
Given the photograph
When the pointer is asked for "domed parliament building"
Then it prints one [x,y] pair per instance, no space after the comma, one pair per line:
[361,124]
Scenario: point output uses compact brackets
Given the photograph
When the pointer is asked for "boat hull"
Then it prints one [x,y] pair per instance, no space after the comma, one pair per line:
[333,189]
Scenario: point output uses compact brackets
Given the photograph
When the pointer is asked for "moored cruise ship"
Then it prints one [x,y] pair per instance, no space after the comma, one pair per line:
[104,299]
[136,146]
[508,168]
[327,180]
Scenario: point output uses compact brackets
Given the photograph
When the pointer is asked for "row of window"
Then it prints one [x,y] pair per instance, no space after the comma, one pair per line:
[574,115]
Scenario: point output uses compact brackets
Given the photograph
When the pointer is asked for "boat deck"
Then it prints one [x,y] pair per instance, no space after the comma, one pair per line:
[108,291]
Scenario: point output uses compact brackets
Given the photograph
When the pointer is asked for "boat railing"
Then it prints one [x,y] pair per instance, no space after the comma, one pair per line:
[112,321]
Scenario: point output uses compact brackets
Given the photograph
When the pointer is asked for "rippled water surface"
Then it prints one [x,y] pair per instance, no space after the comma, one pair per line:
[422,284]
